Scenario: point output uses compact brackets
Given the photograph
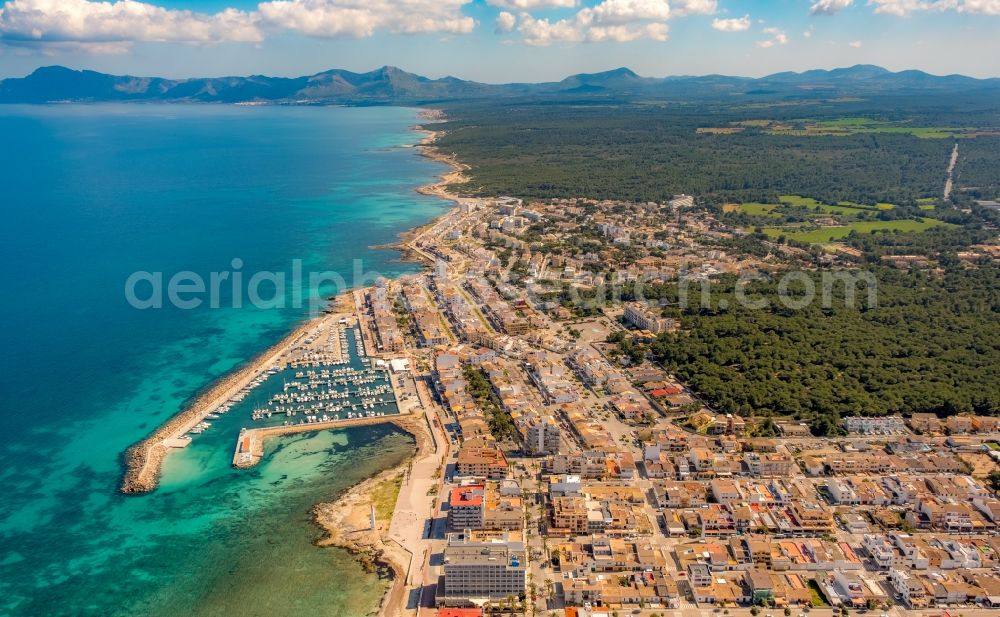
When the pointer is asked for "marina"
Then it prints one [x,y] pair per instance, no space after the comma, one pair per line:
[325,378]
[318,370]
[138,381]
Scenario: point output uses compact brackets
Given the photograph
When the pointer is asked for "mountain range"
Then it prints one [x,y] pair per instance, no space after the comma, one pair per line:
[390,85]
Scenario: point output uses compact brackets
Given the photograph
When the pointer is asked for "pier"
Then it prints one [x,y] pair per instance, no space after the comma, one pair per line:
[304,346]
[250,443]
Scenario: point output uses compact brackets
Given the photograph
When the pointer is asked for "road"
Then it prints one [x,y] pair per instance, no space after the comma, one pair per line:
[951,173]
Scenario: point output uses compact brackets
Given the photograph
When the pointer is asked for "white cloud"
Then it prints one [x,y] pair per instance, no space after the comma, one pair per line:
[124,21]
[616,21]
[695,7]
[623,33]
[532,5]
[543,32]
[808,33]
[855,44]
[736,24]
[505,22]
[627,11]
[829,7]
[901,8]
[986,7]
[778,37]
[363,18]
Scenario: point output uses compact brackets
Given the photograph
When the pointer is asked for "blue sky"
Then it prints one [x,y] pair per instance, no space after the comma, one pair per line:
[498,40]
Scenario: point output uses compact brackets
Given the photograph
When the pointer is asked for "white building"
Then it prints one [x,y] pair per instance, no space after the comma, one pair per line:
[907,585]
[681,201]
[543,437]
[477,571]
[644,318]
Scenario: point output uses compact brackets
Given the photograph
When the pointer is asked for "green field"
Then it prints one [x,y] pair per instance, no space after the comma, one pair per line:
[842,208]
[806,203]
[855,126]
[798,200]
[758,209]
[846,207]
[829,234]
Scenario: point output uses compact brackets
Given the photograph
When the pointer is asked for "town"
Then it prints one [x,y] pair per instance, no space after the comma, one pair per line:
[572,479]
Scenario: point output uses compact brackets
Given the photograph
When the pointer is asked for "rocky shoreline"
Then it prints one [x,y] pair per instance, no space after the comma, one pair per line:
[346,525]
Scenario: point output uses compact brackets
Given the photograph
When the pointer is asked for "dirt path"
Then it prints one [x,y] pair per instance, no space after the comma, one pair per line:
[951,173]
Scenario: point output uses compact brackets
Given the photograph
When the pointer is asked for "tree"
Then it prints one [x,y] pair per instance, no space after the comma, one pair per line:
[994,479]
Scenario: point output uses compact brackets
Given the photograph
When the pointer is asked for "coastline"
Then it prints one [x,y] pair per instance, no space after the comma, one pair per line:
[143,460]
[455,174]
[374,549]
[346,525]
[343,520]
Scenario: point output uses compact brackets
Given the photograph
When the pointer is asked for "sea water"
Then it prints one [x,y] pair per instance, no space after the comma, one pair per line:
[90,195]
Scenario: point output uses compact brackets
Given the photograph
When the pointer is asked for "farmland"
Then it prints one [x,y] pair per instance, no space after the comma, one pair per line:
[806,206]
[832,234]
[842,127]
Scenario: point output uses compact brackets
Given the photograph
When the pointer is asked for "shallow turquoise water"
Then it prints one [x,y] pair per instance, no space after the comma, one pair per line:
[90,194]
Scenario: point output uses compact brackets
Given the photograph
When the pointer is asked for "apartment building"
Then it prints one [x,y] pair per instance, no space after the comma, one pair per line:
[478,570]
[768,465]
[466,507]
[644,318]
[909,587]
[543,436]
[484,461]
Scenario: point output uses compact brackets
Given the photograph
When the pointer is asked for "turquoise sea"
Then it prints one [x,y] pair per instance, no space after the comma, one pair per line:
[90,194]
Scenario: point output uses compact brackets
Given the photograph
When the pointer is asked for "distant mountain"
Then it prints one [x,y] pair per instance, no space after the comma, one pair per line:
[389,85]
[617,80]
[867,78]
